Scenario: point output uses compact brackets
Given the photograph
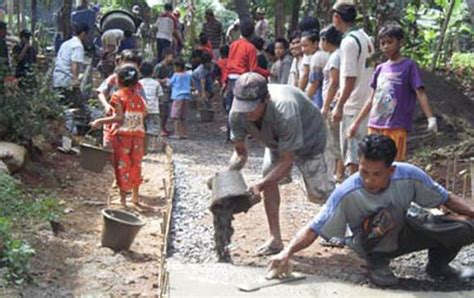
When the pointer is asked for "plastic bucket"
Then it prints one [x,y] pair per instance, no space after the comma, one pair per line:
[206,115]
[120,228]
[93,158]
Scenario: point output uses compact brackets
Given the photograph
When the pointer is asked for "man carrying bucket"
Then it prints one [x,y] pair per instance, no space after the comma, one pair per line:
[285,121]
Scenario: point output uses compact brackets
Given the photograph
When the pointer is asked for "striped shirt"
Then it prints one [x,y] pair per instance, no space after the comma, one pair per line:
[213,30]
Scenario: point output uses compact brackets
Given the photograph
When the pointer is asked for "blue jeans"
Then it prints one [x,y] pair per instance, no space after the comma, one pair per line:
[162,45]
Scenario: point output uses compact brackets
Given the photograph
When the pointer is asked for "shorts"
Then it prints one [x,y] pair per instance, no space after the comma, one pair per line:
[178,109]
[398,135]
[349,146]
[317,177]
[152,123]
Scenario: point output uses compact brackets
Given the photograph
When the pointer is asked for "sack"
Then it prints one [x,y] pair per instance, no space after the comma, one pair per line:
[375,227]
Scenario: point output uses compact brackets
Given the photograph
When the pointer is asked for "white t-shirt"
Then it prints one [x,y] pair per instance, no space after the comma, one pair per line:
[355,65]
[318,62]
[70,51]
[165,26]
[334,62]
[153,91]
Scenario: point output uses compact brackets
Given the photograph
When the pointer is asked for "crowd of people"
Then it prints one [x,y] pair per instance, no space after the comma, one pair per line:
[313,100]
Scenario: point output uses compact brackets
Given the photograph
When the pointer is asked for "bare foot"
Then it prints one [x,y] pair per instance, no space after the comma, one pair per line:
[123,198]
[135,197]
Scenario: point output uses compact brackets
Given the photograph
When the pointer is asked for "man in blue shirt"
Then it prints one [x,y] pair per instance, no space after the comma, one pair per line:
[377,204]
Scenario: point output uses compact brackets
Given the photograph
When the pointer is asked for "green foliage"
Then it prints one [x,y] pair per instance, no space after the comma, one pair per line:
[18,210]
[423,23]
[462,65]
[463,60]
[27,108]
[17,256]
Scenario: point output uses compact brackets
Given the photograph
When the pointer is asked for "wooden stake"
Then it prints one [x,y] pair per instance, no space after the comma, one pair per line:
[447,174]
[464,185]
[455,165]
[471,161]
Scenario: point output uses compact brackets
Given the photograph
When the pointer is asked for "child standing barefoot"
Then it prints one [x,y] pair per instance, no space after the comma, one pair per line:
[128,142]
[180,84]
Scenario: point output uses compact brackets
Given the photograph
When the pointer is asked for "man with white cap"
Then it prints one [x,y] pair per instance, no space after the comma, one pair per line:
[284,120]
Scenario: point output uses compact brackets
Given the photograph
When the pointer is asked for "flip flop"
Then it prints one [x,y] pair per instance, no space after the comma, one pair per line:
[267,250]
[332,243]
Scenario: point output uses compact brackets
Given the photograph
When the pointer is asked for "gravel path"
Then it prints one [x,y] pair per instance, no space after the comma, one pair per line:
[197,159]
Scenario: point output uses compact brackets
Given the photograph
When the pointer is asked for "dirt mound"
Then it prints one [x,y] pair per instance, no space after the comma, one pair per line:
[448,100]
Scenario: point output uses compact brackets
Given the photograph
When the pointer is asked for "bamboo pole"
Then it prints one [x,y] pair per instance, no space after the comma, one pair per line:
[471,161]
[442,36]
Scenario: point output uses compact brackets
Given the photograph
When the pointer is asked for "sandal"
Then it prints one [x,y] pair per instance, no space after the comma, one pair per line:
[268,250]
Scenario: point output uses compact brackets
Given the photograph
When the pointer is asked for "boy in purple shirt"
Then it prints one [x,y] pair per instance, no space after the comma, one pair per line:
[396,84]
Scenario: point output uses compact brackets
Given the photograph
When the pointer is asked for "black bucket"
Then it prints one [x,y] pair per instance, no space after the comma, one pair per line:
[120,228]
[94,158]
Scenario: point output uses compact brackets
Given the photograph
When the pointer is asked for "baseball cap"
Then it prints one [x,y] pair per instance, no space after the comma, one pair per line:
[250,89]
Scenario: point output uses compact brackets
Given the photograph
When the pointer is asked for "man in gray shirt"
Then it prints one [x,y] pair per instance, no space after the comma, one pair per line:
[377,204]
[285,121]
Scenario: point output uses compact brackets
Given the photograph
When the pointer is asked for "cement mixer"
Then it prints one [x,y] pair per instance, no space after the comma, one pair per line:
[119,19]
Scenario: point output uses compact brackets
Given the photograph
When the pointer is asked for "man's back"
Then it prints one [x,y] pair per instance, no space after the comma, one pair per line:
[291,122]
[355,51]
[165,25]
[213,30]
[70,51]
[239,54]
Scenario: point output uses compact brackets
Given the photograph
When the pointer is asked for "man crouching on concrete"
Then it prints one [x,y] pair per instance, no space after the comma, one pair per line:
[376,203]
[291,128]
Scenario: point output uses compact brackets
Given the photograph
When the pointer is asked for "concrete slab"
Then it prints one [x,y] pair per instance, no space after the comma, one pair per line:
[221,280]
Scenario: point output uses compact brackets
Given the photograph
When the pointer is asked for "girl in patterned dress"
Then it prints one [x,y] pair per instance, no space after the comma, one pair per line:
[129,135]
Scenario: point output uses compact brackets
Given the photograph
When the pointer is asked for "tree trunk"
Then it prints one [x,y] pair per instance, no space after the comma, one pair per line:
[21,15]
[10,14]
[242,9]
[295,14]
[34,16]
[442,35]
[279,18]
[64,19]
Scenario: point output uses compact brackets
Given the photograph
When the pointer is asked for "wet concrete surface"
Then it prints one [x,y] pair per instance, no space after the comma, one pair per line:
[222,280]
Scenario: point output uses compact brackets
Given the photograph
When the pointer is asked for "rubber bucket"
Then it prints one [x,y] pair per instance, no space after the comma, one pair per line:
[229,187]
[206,115]
[93,158]
[120,228]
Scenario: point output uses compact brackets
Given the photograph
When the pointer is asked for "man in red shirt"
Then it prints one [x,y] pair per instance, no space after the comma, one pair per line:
[243,54]
[242,59]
